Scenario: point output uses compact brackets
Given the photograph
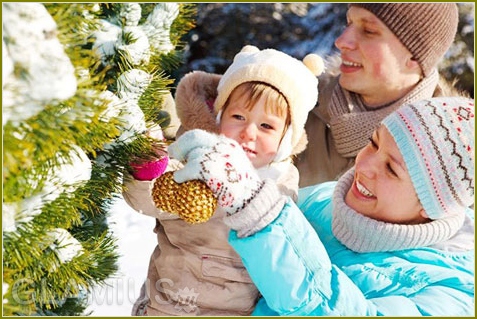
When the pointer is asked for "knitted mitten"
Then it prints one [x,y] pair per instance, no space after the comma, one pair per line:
[221,163]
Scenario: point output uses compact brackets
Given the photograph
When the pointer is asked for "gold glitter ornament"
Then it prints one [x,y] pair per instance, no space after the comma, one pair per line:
[193,201]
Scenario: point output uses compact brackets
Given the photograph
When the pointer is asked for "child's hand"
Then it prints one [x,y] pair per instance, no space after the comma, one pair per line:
[221,163]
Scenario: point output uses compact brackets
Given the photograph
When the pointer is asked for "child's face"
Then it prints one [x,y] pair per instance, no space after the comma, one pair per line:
[258,132]
[382,188]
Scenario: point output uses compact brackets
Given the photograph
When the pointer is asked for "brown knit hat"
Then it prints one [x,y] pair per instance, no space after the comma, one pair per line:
[427,30]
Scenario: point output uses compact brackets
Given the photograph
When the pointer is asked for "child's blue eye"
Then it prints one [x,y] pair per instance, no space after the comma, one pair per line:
[267,126]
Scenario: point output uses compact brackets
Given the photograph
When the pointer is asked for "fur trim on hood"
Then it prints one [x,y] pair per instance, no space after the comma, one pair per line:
[195,96]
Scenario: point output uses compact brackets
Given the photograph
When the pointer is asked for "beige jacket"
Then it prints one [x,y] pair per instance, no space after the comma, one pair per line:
[321,161]
[193,270]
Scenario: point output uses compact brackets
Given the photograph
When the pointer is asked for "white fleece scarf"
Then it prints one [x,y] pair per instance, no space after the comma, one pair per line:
[363,234]
[274,170]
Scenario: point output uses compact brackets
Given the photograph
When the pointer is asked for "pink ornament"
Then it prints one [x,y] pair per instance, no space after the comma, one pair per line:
[150,170]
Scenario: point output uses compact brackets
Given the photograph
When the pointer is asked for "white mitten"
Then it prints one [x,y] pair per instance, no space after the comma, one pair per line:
[221,163]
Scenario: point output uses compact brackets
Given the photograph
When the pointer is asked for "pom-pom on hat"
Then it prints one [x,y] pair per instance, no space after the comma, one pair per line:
[427,30]
[436,140]
[296,80]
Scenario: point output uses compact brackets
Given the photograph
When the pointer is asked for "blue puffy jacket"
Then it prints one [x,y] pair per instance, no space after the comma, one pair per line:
[300,268]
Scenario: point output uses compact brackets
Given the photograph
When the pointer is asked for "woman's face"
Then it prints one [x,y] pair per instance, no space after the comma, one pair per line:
[382,188]
[375,64]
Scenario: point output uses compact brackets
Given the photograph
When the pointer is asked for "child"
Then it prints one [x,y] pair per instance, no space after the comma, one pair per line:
[262,102]
[394,236]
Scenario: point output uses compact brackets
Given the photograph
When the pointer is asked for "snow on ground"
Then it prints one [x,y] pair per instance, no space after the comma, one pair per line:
[136,241]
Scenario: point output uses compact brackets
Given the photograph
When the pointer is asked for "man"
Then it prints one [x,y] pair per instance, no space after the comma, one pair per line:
[389,55]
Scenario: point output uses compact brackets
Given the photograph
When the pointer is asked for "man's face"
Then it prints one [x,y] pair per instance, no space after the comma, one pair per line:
[375,64]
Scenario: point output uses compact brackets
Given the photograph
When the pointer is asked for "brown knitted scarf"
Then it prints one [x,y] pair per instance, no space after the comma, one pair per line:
[352,124]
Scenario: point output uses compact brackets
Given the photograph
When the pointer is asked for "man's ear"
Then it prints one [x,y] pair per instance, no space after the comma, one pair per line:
[413,64]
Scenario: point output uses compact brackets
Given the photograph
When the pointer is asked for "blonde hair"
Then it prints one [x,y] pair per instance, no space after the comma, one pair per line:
[275,102]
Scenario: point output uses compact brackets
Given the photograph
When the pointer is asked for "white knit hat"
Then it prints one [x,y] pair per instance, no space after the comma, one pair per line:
[296,80]
[436,139]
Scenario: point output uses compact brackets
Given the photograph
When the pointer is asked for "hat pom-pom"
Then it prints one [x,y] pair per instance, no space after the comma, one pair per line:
[246,51]
[250,49]
[314,63]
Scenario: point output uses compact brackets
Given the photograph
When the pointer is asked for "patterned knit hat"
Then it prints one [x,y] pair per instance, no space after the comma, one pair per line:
[296,80]
[426,29]
[436,140]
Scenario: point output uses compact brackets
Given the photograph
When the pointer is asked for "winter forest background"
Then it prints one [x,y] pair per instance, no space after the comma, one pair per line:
[81,84]
[298,29]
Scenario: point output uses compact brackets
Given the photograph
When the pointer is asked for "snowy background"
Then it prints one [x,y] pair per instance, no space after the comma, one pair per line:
[136,241]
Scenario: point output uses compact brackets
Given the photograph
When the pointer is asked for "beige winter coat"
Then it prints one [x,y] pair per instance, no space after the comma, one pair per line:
[321,161]
[193,270]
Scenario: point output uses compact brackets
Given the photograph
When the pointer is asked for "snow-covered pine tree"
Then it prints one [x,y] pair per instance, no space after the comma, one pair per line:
[81,85]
